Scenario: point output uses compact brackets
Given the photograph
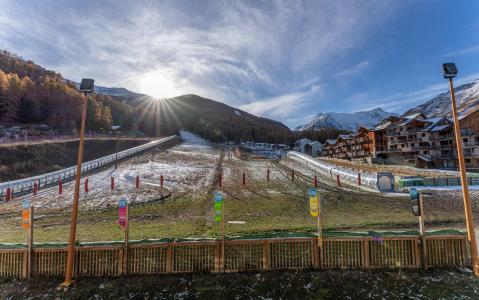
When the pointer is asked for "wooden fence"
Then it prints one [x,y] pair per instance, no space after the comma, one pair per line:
[241,255]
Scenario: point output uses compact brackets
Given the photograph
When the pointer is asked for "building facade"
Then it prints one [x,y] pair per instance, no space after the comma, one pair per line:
[428,142]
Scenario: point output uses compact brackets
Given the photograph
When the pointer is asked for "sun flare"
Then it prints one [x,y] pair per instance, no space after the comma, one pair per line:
[156,84]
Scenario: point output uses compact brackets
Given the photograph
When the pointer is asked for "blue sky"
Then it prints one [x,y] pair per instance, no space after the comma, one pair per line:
[287,60]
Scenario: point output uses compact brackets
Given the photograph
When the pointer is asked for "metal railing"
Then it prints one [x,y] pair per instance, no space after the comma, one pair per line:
[22,186]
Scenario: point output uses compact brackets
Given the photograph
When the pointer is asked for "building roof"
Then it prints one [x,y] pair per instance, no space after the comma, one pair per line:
[331,142]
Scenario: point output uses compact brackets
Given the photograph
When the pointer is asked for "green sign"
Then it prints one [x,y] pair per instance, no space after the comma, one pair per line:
[218,207]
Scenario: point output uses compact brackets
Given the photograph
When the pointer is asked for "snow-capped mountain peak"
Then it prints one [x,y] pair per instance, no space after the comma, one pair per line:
[467,99]
[346,121]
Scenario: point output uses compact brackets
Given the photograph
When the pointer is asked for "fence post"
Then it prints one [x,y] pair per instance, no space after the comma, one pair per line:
[125,262]
[112,183]
[86,185]
[60,186]
[315,181]
[219,265]
[244,178]
[9,194]
[292,175]
[266,255]
[359,178]
[161,182]
[169,259]
[366,258]
[220,181]
[137,182]
[267,175]
[30,243]
[35,188]
[338,181]
[422,231]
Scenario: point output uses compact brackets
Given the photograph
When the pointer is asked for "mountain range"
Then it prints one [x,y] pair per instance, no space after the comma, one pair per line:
[467,99]
[346,121]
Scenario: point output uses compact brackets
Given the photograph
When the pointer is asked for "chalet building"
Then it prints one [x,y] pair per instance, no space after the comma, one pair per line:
[428,142]
[300,144]
[313,148]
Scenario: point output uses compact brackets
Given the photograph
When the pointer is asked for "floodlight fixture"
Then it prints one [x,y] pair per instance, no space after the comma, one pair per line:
[449,70]
[87,85]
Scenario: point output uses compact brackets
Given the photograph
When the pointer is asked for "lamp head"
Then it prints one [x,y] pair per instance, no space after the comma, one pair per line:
[87,85]
[449,70]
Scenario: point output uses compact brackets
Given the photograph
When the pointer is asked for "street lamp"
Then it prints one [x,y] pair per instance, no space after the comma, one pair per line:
[449,72]
[86,87]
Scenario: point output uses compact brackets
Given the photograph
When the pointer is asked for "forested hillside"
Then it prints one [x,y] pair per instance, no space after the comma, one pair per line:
[32,94]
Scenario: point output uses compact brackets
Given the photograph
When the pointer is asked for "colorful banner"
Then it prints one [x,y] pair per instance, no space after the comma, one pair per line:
[26,214]
[122,212]
[218,207]
[313,202]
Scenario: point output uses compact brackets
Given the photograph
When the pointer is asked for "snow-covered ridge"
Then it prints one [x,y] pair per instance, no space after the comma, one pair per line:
[346,121]
[467,98]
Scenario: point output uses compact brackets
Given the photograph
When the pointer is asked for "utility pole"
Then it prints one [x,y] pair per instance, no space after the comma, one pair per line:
[86,87]
[450,71]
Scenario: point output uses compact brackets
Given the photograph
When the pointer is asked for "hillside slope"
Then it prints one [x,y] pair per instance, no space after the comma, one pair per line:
[209,119]
[467,98]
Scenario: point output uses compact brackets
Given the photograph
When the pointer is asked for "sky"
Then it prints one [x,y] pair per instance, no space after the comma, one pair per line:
[286,60]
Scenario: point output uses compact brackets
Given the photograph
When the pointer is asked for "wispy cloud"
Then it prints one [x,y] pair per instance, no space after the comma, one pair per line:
[467,50]
[284,107]
[400,102]
[244,53]
[356,69]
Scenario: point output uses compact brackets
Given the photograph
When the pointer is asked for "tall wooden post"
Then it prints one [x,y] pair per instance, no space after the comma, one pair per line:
[30,243]
[222,260]
[127,232]
[76,196]
[465,189]
[422,231]
[320,233]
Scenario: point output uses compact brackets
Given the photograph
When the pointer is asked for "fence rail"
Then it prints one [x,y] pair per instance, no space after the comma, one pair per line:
[241,255]
[22,186]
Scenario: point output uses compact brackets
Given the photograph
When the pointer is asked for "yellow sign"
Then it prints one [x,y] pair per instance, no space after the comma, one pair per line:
[313,202]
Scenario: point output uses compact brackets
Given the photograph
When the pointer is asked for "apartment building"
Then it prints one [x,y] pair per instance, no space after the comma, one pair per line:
[428,142]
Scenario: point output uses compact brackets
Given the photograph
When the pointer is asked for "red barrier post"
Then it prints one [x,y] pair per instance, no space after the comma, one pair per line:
[315,181]
[137,181]
[112,183]
[267,175]
[60,186]
[86,185]
[359,178]
[8,197]
[161,181]
[244,179]
[35,188]
[338,181]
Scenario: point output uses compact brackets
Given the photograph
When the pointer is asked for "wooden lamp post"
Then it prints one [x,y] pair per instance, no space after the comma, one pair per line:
[86,87]
[449,72]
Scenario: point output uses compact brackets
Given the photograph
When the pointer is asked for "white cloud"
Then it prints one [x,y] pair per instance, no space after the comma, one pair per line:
[242,53]
[467,50]
[354,70]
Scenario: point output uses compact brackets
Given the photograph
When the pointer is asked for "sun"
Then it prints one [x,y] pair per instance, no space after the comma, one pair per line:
[156,84]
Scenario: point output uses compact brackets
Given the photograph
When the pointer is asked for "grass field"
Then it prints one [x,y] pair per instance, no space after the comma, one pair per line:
[278,205]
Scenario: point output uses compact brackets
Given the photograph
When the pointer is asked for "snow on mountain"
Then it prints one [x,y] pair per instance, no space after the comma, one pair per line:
[346,121]
[467,99]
